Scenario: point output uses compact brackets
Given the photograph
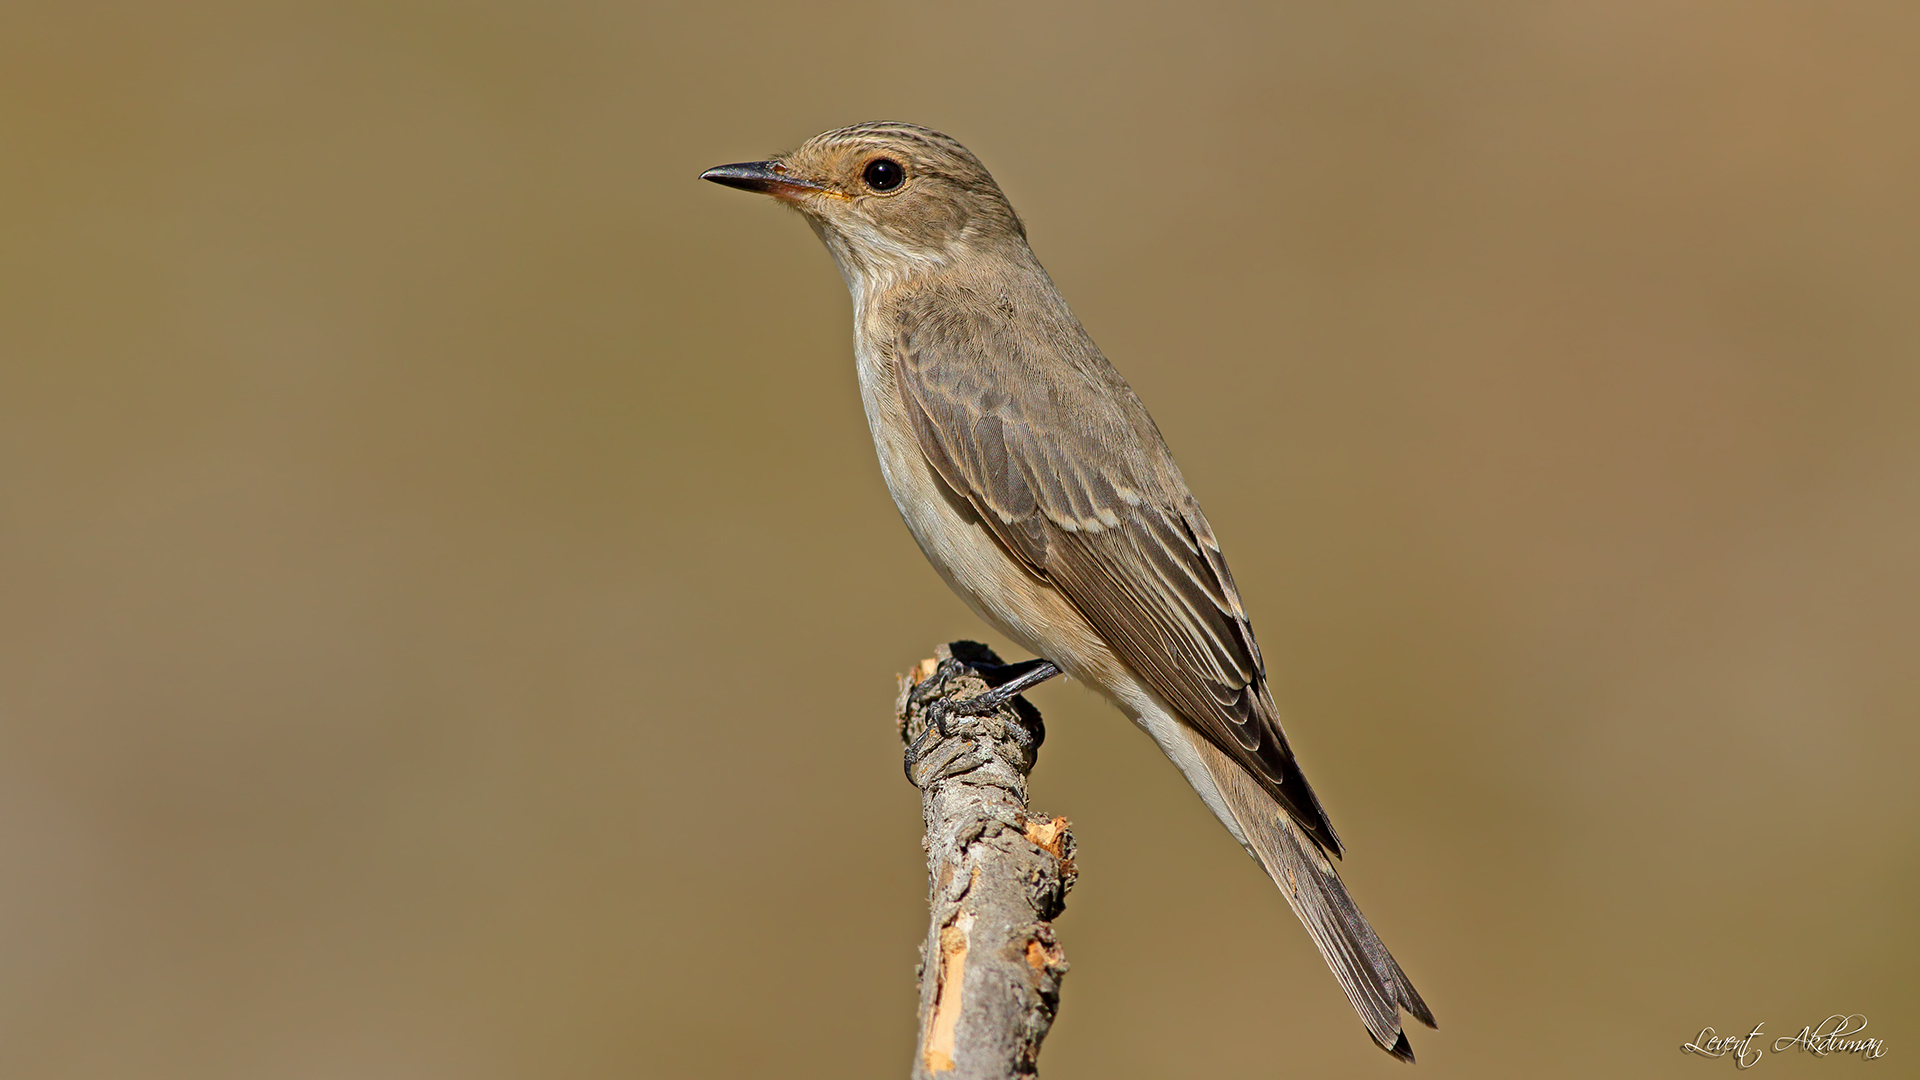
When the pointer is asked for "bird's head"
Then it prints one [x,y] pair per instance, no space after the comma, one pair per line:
[887,198]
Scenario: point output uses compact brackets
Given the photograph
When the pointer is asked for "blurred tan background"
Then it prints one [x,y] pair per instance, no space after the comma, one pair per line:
[449,608]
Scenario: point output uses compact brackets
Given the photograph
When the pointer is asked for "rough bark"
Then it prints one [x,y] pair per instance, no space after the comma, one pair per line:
[997,875]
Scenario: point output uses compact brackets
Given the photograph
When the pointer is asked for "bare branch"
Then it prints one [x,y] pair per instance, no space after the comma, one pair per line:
[997,874]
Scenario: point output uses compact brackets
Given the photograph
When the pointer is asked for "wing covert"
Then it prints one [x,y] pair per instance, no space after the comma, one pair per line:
[1069,473]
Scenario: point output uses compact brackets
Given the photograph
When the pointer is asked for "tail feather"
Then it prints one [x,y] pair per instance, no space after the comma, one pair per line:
[1368,973]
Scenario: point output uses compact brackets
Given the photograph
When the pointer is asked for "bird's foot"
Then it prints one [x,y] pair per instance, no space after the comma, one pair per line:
[947,717]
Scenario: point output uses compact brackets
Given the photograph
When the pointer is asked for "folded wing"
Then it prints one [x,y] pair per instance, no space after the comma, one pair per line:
[1101,512]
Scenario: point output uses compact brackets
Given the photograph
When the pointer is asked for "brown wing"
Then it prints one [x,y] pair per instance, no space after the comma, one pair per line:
[1065,467]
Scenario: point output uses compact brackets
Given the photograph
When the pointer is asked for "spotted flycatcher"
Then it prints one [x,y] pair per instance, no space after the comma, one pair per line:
[1039,488]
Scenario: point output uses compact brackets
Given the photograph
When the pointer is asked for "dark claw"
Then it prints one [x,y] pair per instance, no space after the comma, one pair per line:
[914,749]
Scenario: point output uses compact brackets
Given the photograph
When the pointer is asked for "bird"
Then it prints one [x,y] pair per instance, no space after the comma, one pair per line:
[1042,492]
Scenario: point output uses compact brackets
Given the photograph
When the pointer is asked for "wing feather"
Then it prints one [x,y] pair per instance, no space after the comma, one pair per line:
[1097,508]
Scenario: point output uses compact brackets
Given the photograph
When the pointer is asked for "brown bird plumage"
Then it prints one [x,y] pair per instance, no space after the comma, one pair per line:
[1038,486]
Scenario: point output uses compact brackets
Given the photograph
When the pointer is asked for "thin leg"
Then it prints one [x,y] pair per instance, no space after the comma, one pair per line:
[1029,674]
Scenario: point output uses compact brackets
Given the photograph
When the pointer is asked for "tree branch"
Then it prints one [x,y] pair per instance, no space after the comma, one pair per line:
[997,874]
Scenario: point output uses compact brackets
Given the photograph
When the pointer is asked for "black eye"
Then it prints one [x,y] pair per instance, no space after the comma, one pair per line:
[883,174]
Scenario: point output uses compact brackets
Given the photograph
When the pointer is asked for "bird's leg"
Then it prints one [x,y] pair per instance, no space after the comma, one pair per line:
[1012,680]
[1018,679]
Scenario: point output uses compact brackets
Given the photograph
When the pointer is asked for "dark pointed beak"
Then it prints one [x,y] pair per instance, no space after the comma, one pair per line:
[766,177]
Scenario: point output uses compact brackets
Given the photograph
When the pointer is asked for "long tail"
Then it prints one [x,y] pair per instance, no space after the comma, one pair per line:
[1367,972]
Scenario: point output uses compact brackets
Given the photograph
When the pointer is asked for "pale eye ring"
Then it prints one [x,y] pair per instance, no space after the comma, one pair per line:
[883,174]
